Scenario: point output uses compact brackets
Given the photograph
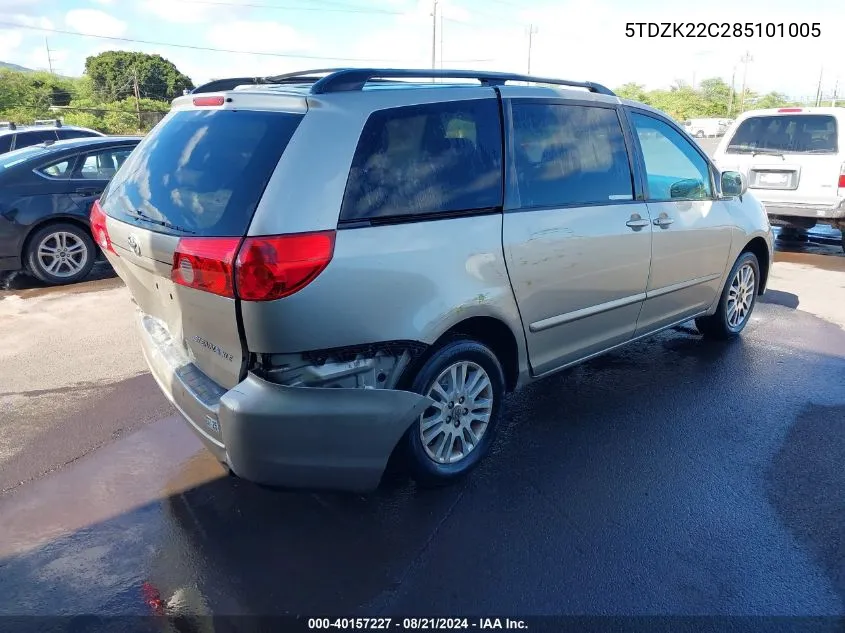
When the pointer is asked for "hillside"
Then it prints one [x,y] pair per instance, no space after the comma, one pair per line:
[14,67]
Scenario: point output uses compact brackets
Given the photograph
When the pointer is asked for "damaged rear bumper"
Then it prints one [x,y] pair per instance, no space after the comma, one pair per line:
[300,437]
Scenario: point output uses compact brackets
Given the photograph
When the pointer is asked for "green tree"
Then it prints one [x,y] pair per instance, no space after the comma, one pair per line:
[113,74]
[633,91]
[770,100]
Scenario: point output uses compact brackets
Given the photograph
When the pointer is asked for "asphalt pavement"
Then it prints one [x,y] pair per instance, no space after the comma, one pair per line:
[676,476]
[673,477]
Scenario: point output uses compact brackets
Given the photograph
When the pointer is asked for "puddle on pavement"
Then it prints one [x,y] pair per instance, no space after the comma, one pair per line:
[160,460]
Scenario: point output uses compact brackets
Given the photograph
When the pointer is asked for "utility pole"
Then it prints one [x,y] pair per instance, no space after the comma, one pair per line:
[434,36]
[819,88]
[745,59]
[137,96]
[49,56]
[733,89]
[532,31]
[441,39]
[835,91]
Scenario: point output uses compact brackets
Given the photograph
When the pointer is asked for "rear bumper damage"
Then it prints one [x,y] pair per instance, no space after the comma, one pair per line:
[299,437]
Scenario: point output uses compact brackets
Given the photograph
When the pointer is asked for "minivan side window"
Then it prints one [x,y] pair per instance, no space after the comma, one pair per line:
[426,159]
[675,169]
[569,155]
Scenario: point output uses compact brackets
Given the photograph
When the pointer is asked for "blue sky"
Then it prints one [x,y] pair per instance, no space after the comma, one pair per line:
[574,39]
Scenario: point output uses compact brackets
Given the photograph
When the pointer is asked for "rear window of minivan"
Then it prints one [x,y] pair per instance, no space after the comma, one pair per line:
[200,172]
[794,134]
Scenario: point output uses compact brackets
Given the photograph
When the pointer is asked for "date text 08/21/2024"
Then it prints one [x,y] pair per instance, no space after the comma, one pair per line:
[723,29]
[415,624]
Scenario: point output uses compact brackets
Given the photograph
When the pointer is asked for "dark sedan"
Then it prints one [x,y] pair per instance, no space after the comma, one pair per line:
[46,193]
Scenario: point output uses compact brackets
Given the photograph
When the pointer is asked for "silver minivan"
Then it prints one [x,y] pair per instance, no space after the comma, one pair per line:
[794,161]
[335,268]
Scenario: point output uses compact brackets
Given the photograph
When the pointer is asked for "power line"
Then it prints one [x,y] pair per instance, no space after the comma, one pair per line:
[210,48]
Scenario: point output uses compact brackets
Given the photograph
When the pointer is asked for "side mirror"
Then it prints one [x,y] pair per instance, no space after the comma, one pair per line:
[687,189]
[733,184]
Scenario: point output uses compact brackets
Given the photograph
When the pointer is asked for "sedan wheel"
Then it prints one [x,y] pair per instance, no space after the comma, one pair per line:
[61,254]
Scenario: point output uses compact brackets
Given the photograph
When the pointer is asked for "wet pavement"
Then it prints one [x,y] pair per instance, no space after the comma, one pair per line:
[676,476]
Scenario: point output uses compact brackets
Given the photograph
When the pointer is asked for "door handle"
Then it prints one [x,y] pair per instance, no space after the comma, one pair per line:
[663,221]
[637,222]
[88,191]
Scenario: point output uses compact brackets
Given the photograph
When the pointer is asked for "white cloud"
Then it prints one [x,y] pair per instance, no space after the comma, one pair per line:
[95,22]
[103,2]
[192,13]
[10,41]
[263,37]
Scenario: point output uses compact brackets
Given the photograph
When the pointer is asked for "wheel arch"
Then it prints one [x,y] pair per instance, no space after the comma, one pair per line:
[760,249]
[492,332]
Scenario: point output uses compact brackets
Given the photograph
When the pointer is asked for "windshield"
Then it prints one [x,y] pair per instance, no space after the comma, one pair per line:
[18,156]
[793,134]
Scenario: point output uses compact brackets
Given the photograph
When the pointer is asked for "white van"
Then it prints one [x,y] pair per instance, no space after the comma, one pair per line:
[701,128]
[794,160]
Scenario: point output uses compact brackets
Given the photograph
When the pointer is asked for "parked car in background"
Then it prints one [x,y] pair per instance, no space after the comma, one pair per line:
[702,128]
[794,161]
[14,136]
[46,193]
[313,312]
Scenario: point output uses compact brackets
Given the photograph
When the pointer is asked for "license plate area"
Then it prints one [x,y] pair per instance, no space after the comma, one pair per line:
[783,179]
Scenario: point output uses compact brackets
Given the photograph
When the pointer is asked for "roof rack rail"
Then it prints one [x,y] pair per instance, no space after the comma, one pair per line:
[9,125]
[56,122]
[299,77]
[353,79]
[325,80]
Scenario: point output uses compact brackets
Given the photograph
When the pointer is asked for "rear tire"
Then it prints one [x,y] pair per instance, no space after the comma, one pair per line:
[449,439]
[739,296]
[60,253]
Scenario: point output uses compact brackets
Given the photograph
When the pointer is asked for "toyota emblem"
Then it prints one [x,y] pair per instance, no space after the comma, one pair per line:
[133,244]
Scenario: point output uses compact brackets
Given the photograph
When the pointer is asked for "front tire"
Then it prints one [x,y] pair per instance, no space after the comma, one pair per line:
[739,296]
[466,381]
[60,254]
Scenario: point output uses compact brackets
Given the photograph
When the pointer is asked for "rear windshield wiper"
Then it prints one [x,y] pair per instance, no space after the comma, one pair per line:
[145,218]
[767,152]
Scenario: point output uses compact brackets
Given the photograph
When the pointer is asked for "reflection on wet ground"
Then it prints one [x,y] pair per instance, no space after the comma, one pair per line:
[665,478]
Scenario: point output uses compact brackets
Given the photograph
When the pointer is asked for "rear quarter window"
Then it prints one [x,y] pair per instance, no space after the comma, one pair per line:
[201,172]
[426,159]
[795,134]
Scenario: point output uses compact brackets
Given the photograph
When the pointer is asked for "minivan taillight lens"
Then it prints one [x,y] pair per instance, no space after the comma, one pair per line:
[99,230]
[273,267]
[206,263]
[842,176]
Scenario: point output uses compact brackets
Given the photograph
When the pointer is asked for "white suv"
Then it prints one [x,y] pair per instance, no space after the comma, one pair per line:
[794,160]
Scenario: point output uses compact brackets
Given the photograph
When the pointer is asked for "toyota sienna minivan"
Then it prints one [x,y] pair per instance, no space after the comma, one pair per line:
[332,269]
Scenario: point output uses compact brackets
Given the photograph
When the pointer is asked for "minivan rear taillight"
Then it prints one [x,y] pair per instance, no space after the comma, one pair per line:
[206,263]
[842,176]
[265,268]
[99,229]
[270,268]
